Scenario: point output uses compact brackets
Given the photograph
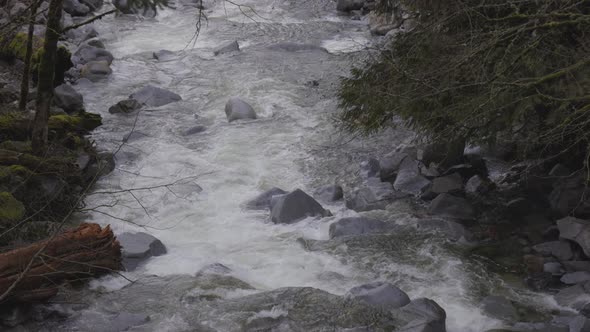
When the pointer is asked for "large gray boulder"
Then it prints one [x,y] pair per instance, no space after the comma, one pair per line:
[352,226]
[499,307]
[430,317]
[576,230]
[154,96]
[390,165]
[330,193]
[163,55]
[237,109]
[86,53]
[447,205]
[67,98]
[575,296]
[75,8]
[227,48]
[381,295]
[370,168]
[575,277]
[96,70]
[349,5]
[373,196]
[125,106]
[137,247]
[558,249]
[262,201]
[295,206]
[409,180]
[454,231]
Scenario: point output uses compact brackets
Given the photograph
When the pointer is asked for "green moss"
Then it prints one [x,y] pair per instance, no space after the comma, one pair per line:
[19,146]
[81,122]
[10,208]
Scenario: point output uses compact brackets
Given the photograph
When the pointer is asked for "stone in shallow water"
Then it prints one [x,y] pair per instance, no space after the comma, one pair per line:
[237,109]
[575,277]
[499,307]
[330,193]
[559,249]
[262,201]
[375,195]
[154,96]
[576,230]
[137,247]
[446,205]
[67,98]
[125,106]
[227,48]
[381,294]
[295,206]
[356,226]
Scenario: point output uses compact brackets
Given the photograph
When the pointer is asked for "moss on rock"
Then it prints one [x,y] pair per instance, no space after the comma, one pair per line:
[84,121]
[10,208]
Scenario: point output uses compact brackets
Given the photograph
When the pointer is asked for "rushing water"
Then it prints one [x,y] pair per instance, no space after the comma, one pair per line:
[292,145]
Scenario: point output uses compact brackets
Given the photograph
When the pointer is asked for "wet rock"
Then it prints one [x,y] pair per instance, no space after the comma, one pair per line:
[381,294]
[67,98]
[453,230]
[551,233]
[430,316]
[96,71]
[370,168]
[194,130]
[576,230]
[446,205]
[94,42]
[75,8]
[558,249]
[237,109]
[163,55]
[294,47]
[373,196]
[262,201]
[18,9]
[125,106]
[330,193]
[540,281]
[477,185]
[294,206]
[105,163]
[137,247]
[390,165]
[349,5]
[575,277]
[50,187]
[227,48]
[121,321]
[86,53]
[354,226]
[573,266]
[534,327]
[409,180]
[554,268]
[575,296]
[446,184]
[570,197]
[499,307]
[154,96]
[579,324]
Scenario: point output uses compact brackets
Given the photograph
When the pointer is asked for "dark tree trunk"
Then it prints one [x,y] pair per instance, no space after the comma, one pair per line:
[24,86]
[46,74]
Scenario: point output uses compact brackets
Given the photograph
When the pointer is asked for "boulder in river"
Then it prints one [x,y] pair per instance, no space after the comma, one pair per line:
[447,205]
[262,201]
[154,96]
[194,130]
[330,193]
[349,5]
[390,165]
[227,48]
[237,109]
[96,70]
[295,47]
[575,277]
[499,307]
[558,249]
[381,294]
[67,98]
[294,206]
[137,247]
[409,180]
[163,55]
[373,196]
[75,8]
[354,226]
[576,296]
[576,230]
[125,106]
[86,53]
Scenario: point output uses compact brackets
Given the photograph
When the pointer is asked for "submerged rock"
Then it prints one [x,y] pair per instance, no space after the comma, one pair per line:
[154,96]
[262,201]
[356,226]
[295,47]
[381,295]
[449,206]
[96,70]
[349,5]
[227,48]
[137,247]
[237,109]
[499,307]
[409,180]
[86,53]
[575,277]
[330,193]
[373,196]
[125,106]
[576,230]
[294,206]
[67,98]
[163,55]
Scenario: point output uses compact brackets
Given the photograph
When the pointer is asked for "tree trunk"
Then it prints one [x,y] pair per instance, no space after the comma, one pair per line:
[46,74]
[24,86]
[35,272]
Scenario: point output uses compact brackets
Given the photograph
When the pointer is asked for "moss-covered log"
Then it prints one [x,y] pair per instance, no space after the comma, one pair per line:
[35,272]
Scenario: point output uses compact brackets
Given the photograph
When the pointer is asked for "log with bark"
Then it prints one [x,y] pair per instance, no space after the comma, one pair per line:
[35,272]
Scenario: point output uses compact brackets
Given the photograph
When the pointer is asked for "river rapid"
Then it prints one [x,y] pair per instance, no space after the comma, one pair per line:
[199,215]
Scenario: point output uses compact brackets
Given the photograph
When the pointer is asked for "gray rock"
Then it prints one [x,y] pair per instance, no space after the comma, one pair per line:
[75,8]
[390,165]
[558,249]
[373,196]
[105,163]
[575,296]
[575,277]
[430,316]
[477,185]
[499,307]
[94,42]
[154,96]
[294,47]
[86,53]
[447,184]
[262,201]
[294,206]
[227,48]
[381,294]
[137,247]
[555,268]
[67,98]
[576,230]
[330,193]
[349,5]
[534,327]
[122,321]
[453,230]
[446,205]
[409,180]
[370,168]
[354,226]
[237,109]
[573,266]
[125,106]
[82,161]
[570,197]
[163,55]
[194,130]
[96,70]
[579,324]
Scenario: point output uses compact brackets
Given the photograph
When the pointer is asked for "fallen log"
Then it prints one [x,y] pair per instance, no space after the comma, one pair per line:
[34,273]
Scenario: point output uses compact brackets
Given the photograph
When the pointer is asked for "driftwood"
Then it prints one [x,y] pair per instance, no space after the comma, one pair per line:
[79,254]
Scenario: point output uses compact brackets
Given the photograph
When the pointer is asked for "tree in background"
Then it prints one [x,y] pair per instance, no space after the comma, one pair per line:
[473,70]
